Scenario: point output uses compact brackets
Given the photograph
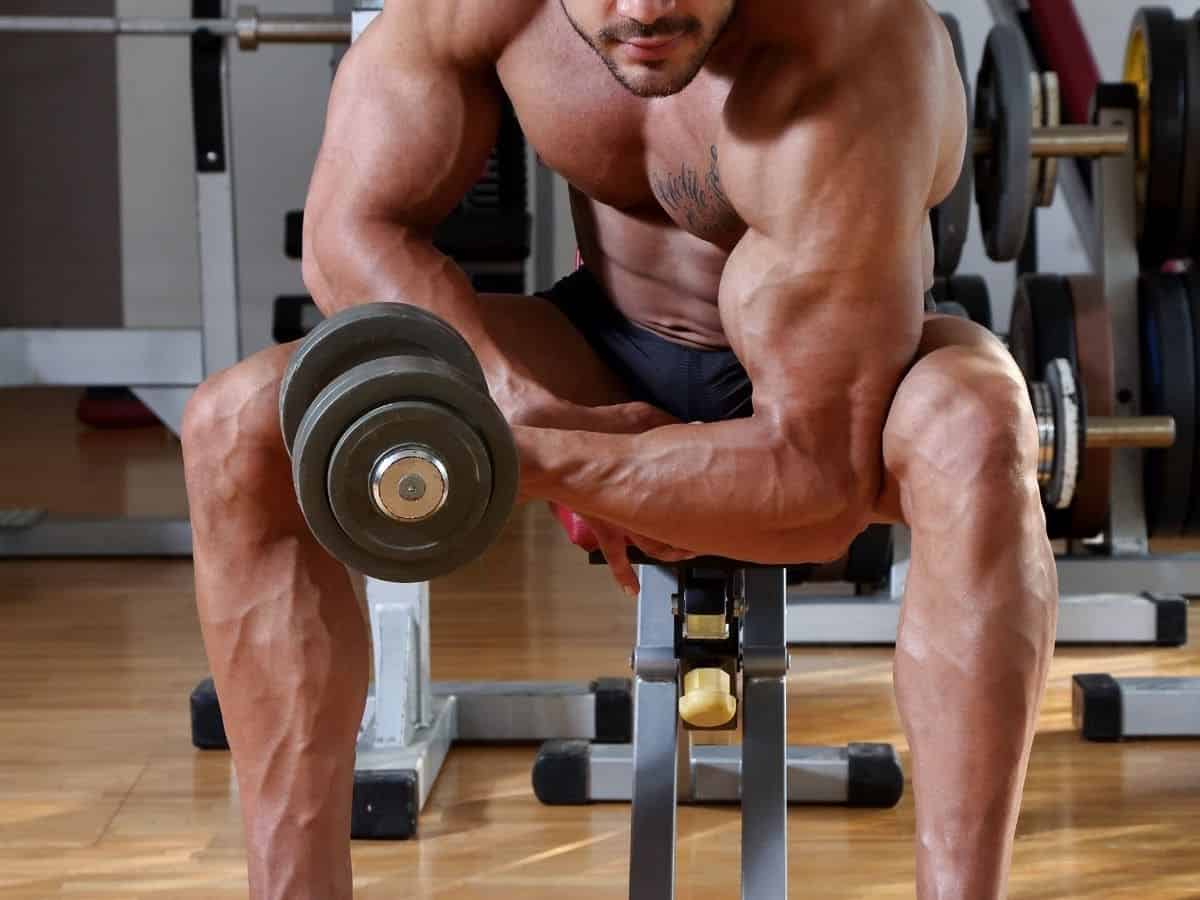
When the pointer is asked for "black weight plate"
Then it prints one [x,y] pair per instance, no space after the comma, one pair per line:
[1189,201]
[1156,62]
[1004,109]
[1094,343]
[971,292]
[1191,284]
[453,442]
[1168,389]
[951,218]
[381,382]
[1021,339]
[1054,338]
[357,335]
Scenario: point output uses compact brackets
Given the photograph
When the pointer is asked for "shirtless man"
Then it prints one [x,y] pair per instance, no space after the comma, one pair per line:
[751,187]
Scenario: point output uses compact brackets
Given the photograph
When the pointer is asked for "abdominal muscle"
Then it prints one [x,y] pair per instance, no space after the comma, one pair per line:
[661,277]
[658,276]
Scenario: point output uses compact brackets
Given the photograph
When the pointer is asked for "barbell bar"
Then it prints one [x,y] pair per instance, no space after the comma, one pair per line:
[250,27]
[1066,141]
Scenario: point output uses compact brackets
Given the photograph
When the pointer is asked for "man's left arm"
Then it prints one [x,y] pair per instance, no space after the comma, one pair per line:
[821,302]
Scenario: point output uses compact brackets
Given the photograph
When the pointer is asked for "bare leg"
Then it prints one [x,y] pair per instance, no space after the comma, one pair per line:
[284,633]
[978,621]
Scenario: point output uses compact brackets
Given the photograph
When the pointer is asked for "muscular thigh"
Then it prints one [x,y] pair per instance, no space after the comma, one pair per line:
[532,331]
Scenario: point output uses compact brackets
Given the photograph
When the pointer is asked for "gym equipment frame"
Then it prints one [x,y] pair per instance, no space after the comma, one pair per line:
[161,366]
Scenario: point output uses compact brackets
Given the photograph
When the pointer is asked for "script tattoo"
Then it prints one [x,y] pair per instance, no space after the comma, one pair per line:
[700,199]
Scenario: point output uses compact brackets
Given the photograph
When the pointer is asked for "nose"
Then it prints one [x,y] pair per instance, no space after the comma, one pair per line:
[645,11]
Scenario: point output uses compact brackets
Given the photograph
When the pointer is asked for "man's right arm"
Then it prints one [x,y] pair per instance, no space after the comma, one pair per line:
[411,121]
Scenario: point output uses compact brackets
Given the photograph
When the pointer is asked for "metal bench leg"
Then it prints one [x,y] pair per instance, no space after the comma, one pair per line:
[655,740]
[764,743]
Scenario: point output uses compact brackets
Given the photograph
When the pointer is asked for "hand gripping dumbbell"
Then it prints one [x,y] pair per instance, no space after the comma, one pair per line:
[404,467]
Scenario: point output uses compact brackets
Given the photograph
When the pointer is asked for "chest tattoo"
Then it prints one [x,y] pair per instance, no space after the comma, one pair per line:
[696,196]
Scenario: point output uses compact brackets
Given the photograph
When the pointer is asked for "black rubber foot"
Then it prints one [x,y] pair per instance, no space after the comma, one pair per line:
[1171,612]
[208,728]
[1096,706]
[876,778]
[385,805]
[614,710]
[560,773]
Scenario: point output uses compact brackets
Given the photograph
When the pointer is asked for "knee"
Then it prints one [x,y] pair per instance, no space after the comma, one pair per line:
[230,433]
[975,431]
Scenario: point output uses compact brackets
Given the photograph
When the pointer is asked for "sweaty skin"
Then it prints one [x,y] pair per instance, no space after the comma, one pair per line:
[763,185]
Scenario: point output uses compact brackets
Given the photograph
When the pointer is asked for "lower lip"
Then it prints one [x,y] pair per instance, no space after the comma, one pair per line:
[652,52]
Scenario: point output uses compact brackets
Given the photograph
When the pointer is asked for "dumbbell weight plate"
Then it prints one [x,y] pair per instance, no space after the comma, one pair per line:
[357,335]
[1042,329]
[1054,338]
[398,401]
[1069,434]
[1168,389]
[1004,109]
[951,219]
[1156,62]
[1094,344]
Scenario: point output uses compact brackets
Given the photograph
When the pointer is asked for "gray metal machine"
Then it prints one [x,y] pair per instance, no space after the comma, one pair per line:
[161,365]
[1105,708]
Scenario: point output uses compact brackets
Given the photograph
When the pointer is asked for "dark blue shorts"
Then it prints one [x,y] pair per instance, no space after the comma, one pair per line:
[691,384]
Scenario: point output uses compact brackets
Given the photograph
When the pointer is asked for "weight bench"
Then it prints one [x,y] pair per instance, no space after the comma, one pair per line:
[699,624]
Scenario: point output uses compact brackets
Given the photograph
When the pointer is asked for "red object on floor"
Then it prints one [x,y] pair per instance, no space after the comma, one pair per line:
[1068,53]
[113,408]
[579,532]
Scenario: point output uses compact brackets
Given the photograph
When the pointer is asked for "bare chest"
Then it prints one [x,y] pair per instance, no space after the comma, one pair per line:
[651,159]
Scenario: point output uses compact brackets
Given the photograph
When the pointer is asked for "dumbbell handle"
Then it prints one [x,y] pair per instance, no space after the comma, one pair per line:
[1066,140]
[1130,431]
[250,28]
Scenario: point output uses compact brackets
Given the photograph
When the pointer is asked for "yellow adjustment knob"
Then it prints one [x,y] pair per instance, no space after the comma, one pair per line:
[707,701]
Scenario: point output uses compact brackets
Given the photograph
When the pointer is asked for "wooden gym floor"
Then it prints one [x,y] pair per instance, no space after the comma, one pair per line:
[102,795]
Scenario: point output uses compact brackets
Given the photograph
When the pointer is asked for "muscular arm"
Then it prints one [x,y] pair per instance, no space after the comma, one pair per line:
[409,127]
[821,301]
[412,119]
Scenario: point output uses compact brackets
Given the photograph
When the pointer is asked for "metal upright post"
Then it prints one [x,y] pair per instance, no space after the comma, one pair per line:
[1115,183]
[655,740]
[764,743]
[214,194]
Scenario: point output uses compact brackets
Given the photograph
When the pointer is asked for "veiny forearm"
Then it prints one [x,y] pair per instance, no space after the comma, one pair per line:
[360,262]
[728,488]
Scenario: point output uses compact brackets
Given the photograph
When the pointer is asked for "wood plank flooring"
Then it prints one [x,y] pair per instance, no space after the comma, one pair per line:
[102,795]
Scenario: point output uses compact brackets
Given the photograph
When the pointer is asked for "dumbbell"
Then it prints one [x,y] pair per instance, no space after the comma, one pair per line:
[1014,145]
[1065,431]
[403,466]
